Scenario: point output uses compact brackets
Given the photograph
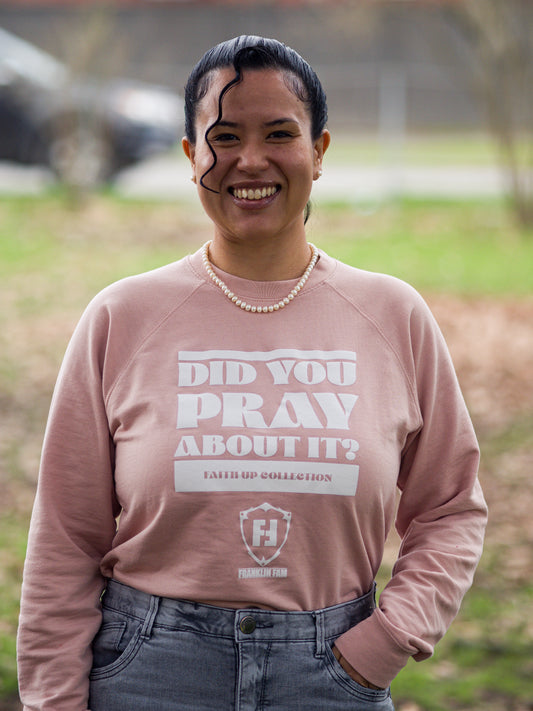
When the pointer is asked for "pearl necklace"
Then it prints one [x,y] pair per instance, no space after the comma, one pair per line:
[258,309]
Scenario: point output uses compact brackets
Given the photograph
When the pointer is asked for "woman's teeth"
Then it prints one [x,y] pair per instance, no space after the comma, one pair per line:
[253,193]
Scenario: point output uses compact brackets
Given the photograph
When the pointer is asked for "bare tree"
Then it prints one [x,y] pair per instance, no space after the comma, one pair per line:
[89,44]
[500,35]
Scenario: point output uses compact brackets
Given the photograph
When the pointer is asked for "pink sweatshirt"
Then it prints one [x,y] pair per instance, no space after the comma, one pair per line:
[254,460]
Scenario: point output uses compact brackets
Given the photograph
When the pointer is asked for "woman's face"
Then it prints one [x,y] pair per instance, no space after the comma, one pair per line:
[266,157]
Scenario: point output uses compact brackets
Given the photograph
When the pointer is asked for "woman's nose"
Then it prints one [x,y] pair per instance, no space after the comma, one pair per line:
[253,157]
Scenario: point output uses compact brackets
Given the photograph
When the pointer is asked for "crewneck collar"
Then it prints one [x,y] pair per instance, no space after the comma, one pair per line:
[262,291]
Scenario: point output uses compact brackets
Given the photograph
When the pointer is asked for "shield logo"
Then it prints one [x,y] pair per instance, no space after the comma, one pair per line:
[264,530]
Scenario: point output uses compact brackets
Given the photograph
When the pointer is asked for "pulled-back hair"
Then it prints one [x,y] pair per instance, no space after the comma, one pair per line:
[252,52]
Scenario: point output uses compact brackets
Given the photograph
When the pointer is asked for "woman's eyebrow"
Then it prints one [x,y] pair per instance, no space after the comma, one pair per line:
[228,124]
[277,122]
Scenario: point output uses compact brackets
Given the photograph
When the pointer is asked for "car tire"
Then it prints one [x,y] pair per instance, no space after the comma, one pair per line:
[80,155]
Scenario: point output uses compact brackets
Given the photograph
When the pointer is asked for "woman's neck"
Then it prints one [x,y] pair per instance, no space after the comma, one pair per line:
[261,260]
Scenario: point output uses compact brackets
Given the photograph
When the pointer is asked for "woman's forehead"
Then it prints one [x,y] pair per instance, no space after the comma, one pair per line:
[262,88]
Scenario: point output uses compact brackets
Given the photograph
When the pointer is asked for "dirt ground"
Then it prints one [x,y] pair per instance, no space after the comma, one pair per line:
[491,341]
[492,346]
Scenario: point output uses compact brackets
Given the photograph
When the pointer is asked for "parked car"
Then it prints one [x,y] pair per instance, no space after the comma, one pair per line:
[84,130]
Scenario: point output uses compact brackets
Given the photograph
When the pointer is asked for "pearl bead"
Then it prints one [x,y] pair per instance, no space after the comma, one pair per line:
[258,309]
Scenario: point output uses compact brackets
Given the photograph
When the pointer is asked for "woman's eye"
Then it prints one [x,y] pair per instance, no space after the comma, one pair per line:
[280,134]
[224,138]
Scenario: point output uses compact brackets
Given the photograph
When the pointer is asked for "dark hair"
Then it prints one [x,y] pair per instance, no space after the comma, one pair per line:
[252,52]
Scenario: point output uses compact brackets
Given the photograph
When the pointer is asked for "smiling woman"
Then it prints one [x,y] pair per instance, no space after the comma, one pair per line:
[226,441]
[255,149]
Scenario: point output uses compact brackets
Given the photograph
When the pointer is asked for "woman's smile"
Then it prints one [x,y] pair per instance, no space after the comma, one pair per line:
[254,194]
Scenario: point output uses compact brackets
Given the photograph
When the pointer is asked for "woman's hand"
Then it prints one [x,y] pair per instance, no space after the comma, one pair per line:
[352,672]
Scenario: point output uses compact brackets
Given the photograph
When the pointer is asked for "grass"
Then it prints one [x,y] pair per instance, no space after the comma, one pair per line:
[54,255]
[465,247]
[485,661]
[471,248]
[13,546]
[434,149]
[476,665]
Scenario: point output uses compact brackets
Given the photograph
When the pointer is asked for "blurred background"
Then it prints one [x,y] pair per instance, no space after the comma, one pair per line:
[429,177]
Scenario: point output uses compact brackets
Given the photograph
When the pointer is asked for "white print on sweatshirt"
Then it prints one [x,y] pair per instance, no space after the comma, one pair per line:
[308,392]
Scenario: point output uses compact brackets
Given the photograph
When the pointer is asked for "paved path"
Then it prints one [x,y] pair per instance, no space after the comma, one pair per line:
[168,177]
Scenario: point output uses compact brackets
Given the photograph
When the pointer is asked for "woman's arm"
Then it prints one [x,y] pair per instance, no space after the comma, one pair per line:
[441,518]
[73,525]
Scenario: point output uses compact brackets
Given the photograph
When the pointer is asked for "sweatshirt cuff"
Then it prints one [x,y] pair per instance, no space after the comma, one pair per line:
[372,651]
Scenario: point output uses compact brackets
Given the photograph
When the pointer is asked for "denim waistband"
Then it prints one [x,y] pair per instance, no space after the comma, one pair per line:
[241,624]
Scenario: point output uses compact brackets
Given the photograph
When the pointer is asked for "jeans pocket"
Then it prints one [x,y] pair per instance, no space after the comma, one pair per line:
[116,643]
[343,679]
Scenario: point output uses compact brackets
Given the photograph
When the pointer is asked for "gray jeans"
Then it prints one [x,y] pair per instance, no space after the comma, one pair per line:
[160,654]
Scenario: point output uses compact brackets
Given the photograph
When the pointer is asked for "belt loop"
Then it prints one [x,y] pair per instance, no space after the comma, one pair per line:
[150,617]
[320,634]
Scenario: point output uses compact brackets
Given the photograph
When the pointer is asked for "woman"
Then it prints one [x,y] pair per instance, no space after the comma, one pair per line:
[247,414]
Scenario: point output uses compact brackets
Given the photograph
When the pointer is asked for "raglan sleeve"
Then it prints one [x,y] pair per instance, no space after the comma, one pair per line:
[72,527]
[441,517]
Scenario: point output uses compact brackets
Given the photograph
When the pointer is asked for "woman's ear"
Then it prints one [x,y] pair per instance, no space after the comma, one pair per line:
[326,140]
[188,149]
[320,147]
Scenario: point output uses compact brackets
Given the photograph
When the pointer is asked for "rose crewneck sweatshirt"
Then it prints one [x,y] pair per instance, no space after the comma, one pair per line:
[198,451]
